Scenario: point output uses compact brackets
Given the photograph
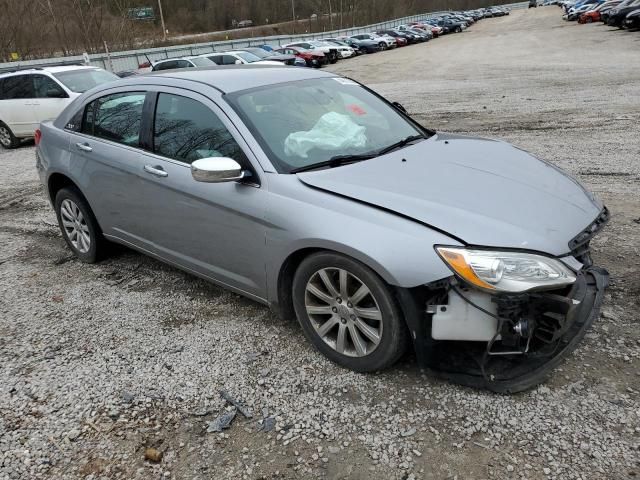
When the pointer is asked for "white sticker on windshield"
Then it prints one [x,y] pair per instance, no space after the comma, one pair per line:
[344,81]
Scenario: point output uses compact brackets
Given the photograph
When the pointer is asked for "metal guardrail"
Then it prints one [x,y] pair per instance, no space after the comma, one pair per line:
[129,60]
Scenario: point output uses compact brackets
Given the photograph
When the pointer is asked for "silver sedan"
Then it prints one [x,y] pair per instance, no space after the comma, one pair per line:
[310,193]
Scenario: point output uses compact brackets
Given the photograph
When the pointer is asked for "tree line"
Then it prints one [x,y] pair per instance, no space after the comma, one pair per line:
[49,28]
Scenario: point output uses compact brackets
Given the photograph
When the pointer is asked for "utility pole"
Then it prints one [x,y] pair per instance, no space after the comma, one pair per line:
[330,16]
[293,12]
[164,29]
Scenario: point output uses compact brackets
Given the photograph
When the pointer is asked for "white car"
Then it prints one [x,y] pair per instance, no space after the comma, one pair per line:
[385,42]
[184,62]
[330,51]
[344,50]
[31,96]
[238,58]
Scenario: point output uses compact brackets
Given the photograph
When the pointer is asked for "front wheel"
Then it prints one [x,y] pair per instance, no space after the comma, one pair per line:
[348,312]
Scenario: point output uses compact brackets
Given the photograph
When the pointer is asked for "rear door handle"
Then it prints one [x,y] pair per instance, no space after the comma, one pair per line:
[85,147]
[157,171]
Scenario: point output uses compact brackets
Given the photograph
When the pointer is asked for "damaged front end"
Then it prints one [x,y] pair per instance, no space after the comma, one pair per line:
[504,341]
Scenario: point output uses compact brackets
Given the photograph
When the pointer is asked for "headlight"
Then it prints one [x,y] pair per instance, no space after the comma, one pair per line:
[506,271]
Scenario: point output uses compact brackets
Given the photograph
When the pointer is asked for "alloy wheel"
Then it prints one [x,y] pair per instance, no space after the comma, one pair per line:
[343,312]
[5,137]
[75,226]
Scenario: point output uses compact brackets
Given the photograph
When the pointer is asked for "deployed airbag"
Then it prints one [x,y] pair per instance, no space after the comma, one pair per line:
[333,131]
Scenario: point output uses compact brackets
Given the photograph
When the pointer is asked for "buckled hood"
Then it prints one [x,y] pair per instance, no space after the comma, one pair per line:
[483,192]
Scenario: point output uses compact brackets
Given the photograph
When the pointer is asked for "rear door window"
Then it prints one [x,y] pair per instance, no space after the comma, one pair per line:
[116,117]
[187,130]
[229,60]
[166,65]
[46,87]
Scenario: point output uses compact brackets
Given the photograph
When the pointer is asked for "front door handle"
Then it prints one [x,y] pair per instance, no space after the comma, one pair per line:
[84,147]
[157,171]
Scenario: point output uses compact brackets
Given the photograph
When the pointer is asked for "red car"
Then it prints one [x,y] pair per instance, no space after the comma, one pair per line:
[435,30]
[313,58]
[589,17]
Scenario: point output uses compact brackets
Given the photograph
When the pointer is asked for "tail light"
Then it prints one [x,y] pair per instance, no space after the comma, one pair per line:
[37,136]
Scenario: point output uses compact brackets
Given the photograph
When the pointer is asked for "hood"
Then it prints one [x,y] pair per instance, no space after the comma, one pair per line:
[634,13]
[483,192]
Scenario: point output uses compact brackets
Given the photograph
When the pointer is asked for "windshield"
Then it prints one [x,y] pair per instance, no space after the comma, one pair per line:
[202,62]
[303,123]
[248,57]
[258,52]
[79,81]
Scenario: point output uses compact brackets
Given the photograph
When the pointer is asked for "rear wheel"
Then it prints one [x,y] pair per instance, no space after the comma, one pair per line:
[348,312]
[79,226]
[7,138]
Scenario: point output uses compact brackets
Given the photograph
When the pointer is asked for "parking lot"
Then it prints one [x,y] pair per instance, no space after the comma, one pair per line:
[100,362]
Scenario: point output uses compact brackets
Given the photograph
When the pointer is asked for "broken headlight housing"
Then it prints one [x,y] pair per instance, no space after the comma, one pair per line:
[506,271]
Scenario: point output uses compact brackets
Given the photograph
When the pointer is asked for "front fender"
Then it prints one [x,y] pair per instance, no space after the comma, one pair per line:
[399,249]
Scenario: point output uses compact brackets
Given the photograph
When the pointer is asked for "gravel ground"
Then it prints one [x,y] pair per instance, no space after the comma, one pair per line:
[101,364]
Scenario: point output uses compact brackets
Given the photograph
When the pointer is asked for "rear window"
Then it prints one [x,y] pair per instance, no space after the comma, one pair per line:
[80,81]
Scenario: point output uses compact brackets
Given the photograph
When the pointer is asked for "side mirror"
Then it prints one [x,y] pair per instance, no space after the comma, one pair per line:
[216,170]
[56,93]
[238,62]
[400,107]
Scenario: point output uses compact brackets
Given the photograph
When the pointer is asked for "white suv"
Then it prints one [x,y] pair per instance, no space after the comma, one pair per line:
[28,97]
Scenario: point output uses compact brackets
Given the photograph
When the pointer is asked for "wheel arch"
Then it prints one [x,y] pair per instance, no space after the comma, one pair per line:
[284,299]
[57,181]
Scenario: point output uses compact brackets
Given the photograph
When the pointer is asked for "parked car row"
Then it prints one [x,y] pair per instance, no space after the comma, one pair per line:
[31,96]
[329,50]
[614,13]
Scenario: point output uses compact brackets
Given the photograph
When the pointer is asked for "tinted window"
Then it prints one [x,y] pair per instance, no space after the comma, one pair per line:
[229,60]
[17,87]
[166,65]
[217,59]
[45,87]
[183,64]
[116,117]
[187,130]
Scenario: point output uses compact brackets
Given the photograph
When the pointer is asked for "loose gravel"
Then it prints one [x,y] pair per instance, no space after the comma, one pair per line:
[114,370]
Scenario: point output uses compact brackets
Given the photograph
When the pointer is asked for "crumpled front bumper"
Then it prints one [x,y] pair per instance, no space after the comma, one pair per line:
[466,363]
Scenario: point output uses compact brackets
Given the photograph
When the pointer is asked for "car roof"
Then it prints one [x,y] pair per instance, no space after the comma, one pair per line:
[232,78]
[52,70]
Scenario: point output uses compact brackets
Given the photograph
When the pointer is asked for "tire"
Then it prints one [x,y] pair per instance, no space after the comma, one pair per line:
[337,314]
[458,30]
[7,138]
[383,46]
[71,206]
[589,20]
